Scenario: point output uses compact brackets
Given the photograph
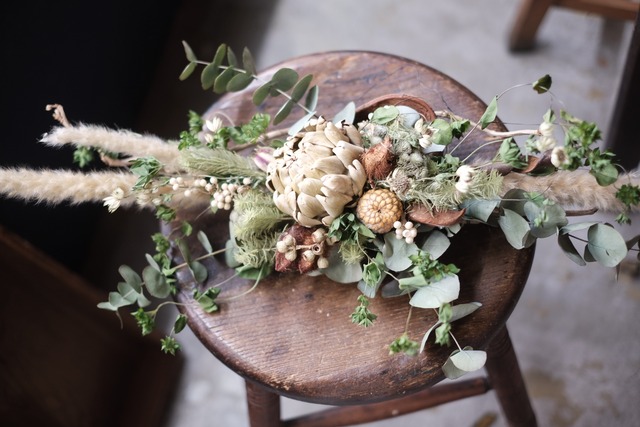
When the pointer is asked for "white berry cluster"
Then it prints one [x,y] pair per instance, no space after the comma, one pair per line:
[314,252]
[222,194]
[406,231]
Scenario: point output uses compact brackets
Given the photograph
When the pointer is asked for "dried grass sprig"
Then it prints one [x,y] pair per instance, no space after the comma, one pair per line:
[58,186]
[116,141]
[219,162]
[576,189]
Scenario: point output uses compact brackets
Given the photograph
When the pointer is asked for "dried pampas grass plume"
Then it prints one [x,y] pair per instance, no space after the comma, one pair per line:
[58,186]
[573,189]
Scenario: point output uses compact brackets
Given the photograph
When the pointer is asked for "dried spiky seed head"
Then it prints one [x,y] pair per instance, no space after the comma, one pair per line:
[379,209]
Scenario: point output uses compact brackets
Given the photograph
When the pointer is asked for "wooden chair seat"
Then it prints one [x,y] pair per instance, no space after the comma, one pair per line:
[291,336]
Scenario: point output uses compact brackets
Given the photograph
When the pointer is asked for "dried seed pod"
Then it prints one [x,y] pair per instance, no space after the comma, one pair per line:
[379,209]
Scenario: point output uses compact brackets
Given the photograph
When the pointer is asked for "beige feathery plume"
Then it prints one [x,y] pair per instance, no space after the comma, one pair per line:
[57,186]
[117,141]
[573,189]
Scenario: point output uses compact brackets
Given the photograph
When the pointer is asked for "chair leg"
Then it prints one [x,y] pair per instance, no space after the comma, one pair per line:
[506,379]
[263,405]
[528,19]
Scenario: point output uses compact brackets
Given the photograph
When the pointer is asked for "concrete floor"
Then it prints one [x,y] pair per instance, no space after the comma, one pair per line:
[575,329]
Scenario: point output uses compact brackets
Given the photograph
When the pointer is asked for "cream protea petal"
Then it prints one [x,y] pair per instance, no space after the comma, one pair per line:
[310,185]
[347,152]
[334,134]
[354,134]
[339,183]
[316,138]
[358,176]
[334,202]
[307,221]
[309,206]
[329,165]
[281,203]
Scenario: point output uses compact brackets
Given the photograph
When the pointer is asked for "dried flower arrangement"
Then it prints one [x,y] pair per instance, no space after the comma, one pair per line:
[370,197]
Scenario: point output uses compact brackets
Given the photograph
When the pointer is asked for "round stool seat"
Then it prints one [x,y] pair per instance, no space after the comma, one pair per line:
[293,334]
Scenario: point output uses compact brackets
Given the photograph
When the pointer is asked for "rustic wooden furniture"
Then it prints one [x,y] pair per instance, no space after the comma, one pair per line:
[291,336]
[64,362]
[532,12]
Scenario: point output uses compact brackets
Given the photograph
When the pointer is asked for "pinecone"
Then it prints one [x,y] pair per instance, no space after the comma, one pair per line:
[317,173]
[378,209]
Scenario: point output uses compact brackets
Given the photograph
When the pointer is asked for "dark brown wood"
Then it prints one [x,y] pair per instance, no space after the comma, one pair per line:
[292,334]
[263,406]
[627,109]
[64,362]
[506,379]
[352,415]
[531,13]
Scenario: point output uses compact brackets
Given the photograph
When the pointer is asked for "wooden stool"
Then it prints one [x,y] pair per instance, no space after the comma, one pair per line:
[292,336]
[531,13]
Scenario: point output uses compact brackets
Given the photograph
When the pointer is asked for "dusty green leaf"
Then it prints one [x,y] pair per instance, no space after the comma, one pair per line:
[239,82]
[191,57]
[444,133]
[199,271]
[462,310]
[515,228]
[480,209]
[436,244]
[463,362]
[301,87]
[567,246]
[231,58]
[283,112]
[188,70]
[347,114]
[311,101]
[437,293]
[156,282]
[262,93]
[543,84]
[180,323]
[152,262]
[605,175]
[247,61]
[223,79]
[489,114]
[606,245]
[384,115]
[131,277]
[204,241]
[284,79]
[396,252]
[211,71]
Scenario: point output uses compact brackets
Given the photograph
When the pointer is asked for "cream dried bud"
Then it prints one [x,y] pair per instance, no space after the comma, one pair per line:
[323,262]
[559,157]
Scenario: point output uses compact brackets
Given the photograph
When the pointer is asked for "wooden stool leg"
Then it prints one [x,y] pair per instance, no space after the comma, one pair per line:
[529,17]
[263,405]
[506,379]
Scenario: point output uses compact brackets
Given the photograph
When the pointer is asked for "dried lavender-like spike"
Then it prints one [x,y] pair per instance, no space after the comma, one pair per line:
[576,189]
[58,186]
[117,141]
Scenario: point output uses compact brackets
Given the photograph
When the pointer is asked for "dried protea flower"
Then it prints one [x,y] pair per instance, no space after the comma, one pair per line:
[302,249]
[317,173]
[379,209]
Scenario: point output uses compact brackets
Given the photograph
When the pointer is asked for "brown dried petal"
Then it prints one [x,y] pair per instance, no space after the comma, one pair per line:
[424,215]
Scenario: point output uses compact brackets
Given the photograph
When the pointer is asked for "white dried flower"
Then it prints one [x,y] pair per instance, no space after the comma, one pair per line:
[213,125]
[559,157]
[113,202]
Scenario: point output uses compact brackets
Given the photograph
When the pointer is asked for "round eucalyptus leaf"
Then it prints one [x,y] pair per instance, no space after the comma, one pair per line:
[567,246]
[444,135]
[469,360]
[425,338]
[606,245]
[311,100]
[188,70]
[199,271]
[156,282]
[436,244]
[437,293]
[462,310]
[248,62]
[283,112]
[396,252]
[284,79]
[204,241]
[515,228]
[347,114]
[239,82]
[131,277]
[301,87]
[384,115]
[220,83]
[262,93]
